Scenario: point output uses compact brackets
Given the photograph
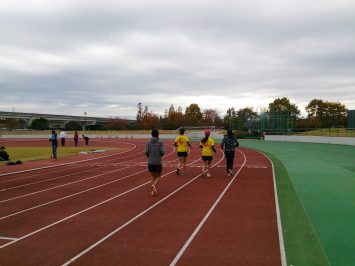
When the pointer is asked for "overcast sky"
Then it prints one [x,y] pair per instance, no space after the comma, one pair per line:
[104,56]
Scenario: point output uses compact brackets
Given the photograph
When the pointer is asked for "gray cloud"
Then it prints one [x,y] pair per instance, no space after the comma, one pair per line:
[106,56]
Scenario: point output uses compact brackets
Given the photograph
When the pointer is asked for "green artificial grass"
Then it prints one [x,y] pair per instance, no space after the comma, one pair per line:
[39,153]
[302,246]
[322,176]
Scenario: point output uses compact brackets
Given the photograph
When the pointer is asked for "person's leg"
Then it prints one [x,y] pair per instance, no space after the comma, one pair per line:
[183,159]
[54,150]
[229,165]
[157,178]
[205,167]
[231,161]
[156,174]
[153,192]
[178,167]
[209,168]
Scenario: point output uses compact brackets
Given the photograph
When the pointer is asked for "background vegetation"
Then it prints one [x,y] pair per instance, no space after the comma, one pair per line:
[320,114]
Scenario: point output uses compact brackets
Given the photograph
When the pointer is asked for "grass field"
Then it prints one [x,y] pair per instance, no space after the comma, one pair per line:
[316,188]
[39,153]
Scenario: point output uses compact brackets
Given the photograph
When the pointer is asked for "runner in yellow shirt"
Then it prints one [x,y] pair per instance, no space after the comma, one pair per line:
[181,142]
[207,146]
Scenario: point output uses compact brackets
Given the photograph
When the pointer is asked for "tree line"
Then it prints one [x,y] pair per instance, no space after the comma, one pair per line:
[320,114]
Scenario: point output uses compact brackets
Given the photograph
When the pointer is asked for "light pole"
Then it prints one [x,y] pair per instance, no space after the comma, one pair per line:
[85,113]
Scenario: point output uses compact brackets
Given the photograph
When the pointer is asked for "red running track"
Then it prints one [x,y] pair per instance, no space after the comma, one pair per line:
[100,212]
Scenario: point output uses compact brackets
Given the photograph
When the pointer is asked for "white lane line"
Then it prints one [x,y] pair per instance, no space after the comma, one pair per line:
[71,195]
[279,225]
[69,163]
[278,216]
[8,238]
[82,211]
[75,194]
[188,242]
[63,185]
[37,175]
[49,179]
[59,177]
[134,218]
[64,169]
[67,184]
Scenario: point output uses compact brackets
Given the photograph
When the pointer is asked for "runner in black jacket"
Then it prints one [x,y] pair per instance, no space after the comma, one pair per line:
[229,143]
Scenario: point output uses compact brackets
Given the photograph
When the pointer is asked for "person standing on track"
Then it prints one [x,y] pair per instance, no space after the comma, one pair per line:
[207,146]
[181,142]
[62,135]
[76,138]
[229,143]
[54,141]
[154,150]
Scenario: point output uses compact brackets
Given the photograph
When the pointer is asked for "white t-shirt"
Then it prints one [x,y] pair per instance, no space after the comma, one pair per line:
[62,134]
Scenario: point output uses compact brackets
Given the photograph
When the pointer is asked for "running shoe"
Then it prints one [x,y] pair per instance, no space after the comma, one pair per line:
[154,190]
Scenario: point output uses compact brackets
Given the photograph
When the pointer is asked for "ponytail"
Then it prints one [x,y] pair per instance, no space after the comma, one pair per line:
[204,140]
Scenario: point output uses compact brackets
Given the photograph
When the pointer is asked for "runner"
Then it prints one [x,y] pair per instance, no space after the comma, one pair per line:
[207,146]
[54,141]
[181,142]
[154,150]
[229,142]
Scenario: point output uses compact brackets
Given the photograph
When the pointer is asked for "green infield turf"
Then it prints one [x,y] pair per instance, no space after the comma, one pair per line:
[316,187]
[39,153]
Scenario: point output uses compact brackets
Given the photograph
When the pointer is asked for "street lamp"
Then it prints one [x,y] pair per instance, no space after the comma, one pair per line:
[85,113]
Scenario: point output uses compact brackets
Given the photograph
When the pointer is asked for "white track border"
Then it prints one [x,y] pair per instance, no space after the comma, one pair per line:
[57,165]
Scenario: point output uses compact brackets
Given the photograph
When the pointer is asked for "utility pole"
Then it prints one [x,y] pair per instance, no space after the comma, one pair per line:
[85,113]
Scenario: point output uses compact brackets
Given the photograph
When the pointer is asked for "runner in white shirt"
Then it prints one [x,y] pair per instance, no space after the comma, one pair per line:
[62,138]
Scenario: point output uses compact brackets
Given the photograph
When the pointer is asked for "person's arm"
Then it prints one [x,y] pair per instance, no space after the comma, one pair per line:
[188,143]
[200,145]
[213,149]
[146,150]
[175,144]
[161,149]
[236,142]
[222,144]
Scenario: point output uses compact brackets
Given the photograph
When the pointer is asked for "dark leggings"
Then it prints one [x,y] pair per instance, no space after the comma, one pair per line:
[230,159]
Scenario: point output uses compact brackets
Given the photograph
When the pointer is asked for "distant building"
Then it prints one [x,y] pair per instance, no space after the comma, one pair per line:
[56,121]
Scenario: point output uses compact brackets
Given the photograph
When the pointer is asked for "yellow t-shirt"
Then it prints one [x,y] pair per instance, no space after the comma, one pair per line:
[207,147]
[182,143]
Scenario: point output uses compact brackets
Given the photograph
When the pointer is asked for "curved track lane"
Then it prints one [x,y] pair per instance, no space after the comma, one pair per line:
[110,218]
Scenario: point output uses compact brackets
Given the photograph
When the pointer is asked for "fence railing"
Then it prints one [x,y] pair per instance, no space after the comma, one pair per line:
[334,132]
